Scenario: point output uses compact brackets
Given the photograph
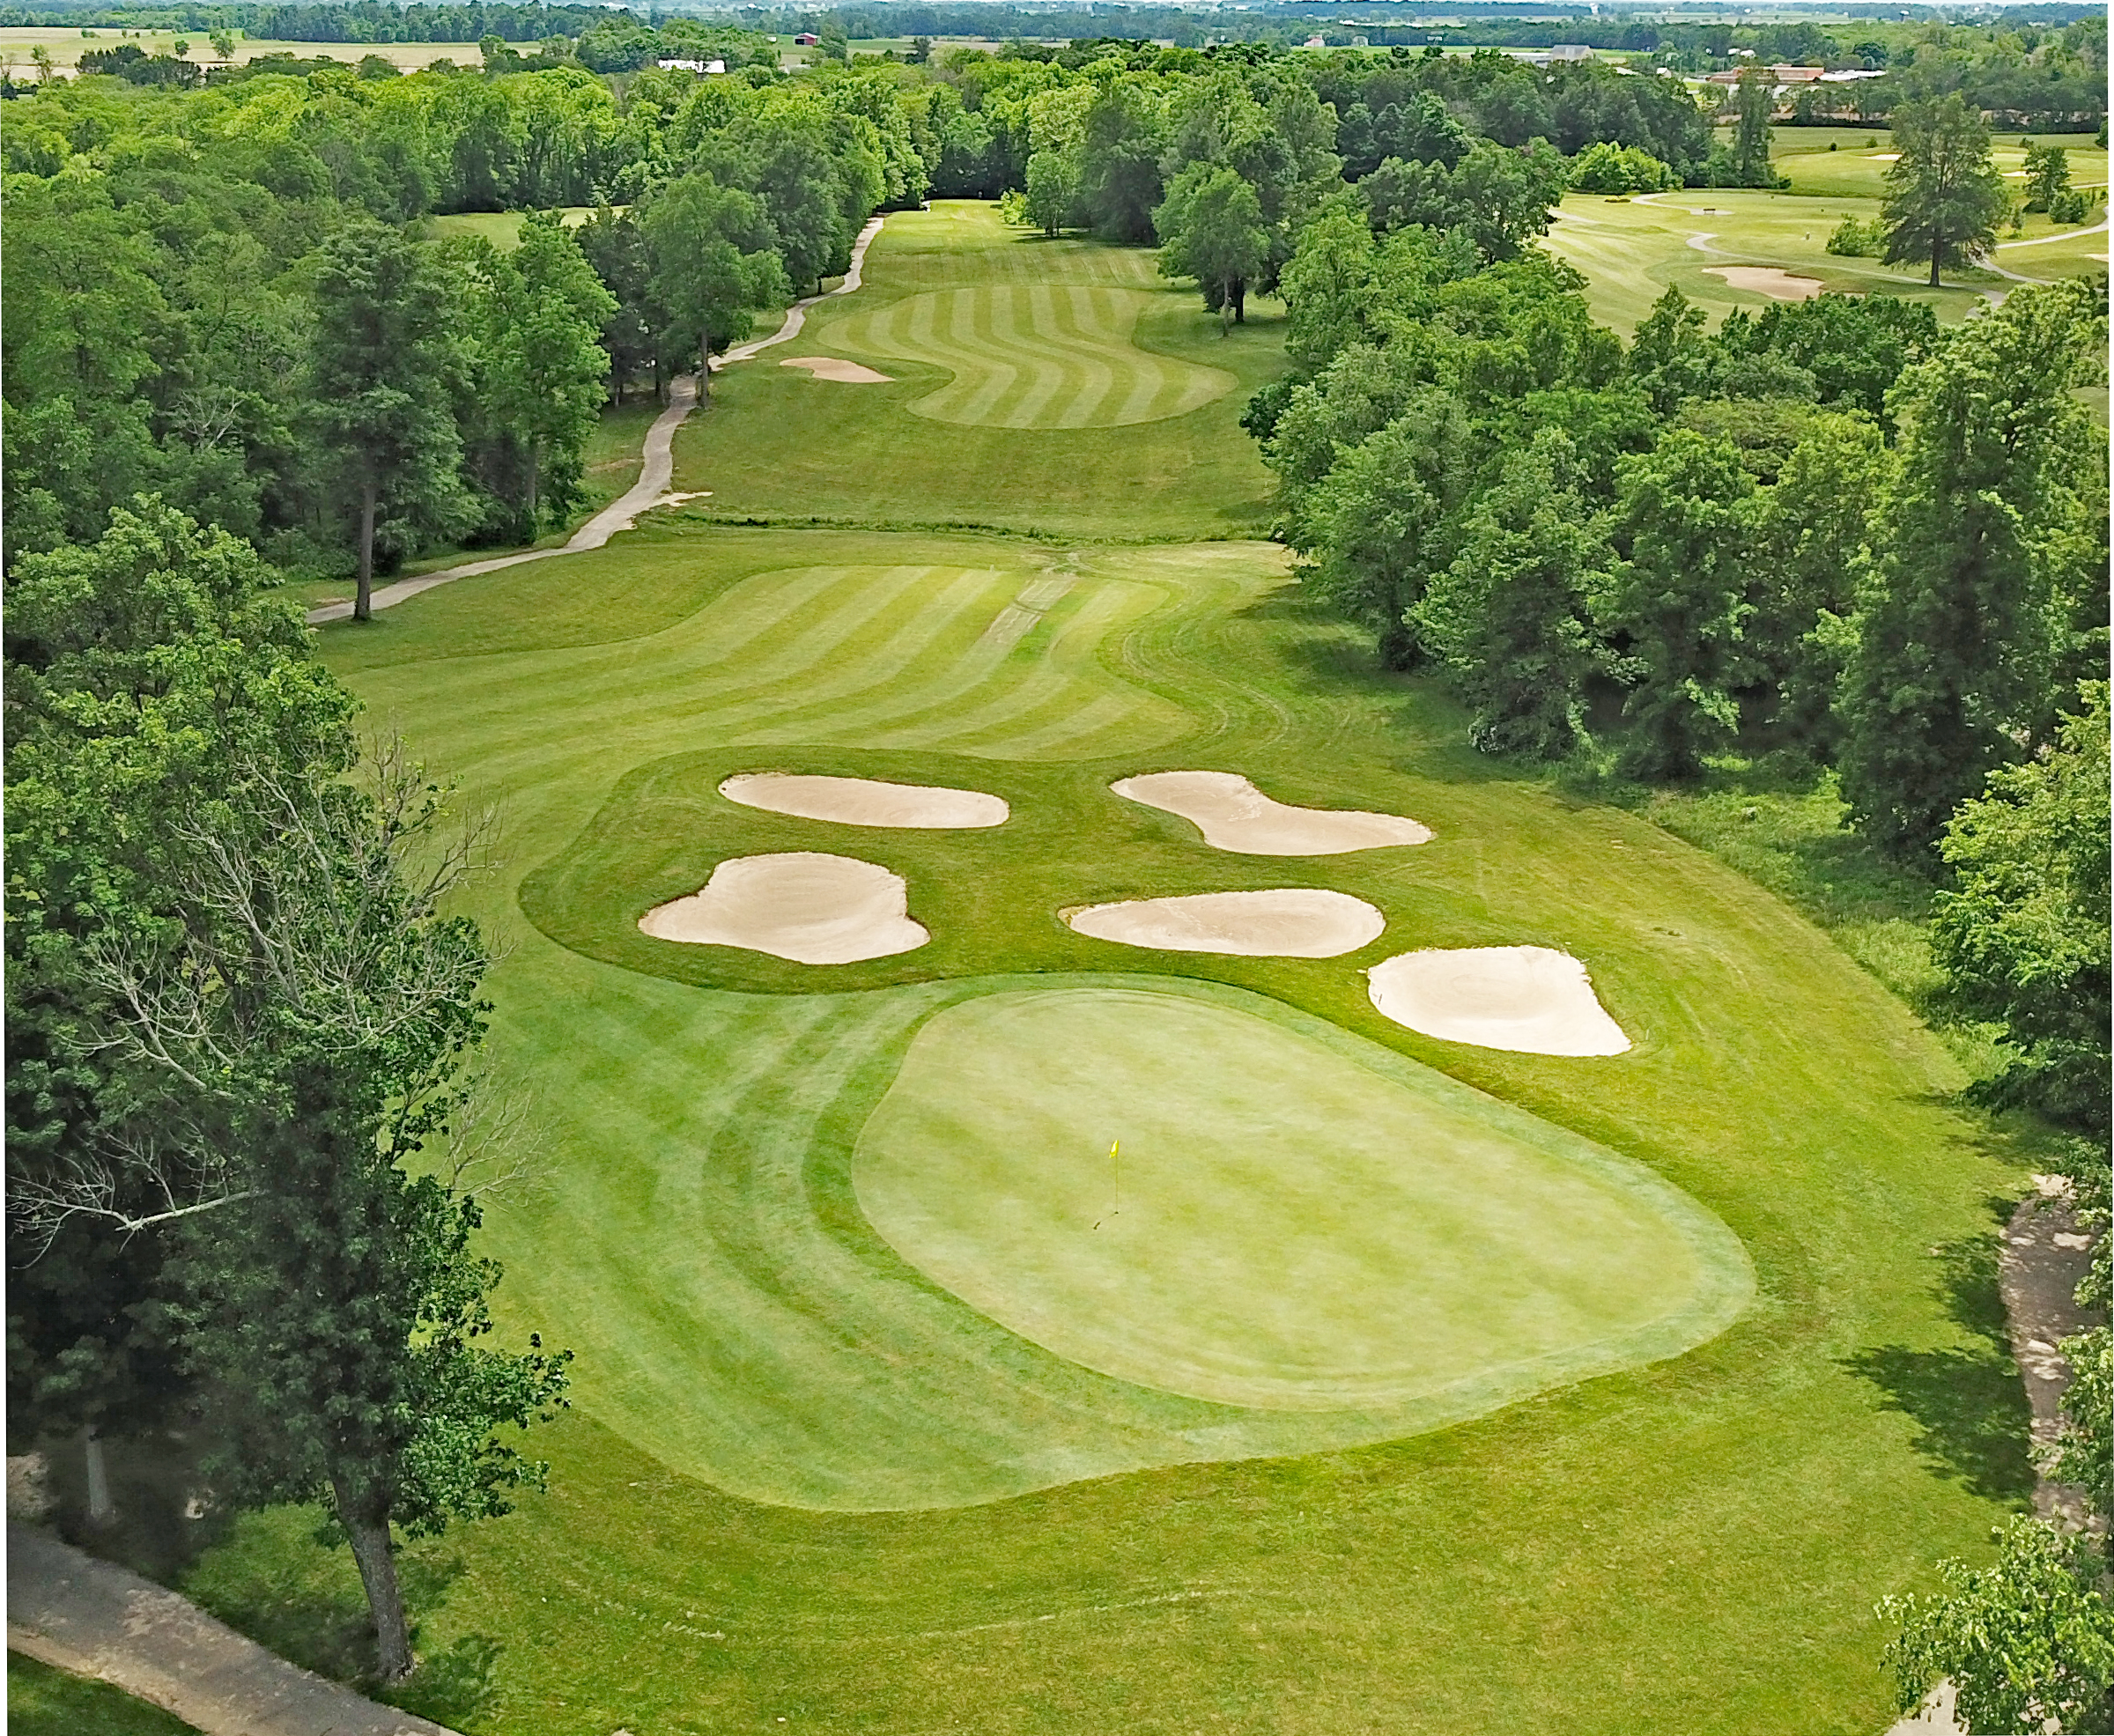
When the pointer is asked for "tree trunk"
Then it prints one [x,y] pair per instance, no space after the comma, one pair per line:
[536,465]
[363,602]
[1240,301]
[371,1550]
[102,1510]
[705,372]
[1934,268]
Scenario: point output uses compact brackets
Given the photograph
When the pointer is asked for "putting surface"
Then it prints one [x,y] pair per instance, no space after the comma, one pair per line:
[1282,1227]
[1036,355]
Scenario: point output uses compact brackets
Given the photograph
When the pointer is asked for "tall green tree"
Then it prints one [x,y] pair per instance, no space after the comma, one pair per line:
[1211,227]
[1988,561]
[385,365]
[2021,935]
[1377,527]
[2047,176]
[138,667]
[1674,606]
[1945,196]
[1754,100]
[536,317]
[298,1031]
[1508,617]
[714,265]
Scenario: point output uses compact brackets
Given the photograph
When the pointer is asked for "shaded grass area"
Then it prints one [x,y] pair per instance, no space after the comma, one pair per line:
[1695,1544]
[45,1701]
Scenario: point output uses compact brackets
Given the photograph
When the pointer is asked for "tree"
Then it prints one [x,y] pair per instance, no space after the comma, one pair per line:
[1946,197]
[1210,228]
[1375,526]
[1754,99]
[299,1032]
[2021,935]
[1670,358]
[1674,607]
[1051,191]
[536,317]
[137,667]
[383,363]
[613,245]
[1508,616]
[712,265]
[1986,583]
[2047,176]
[2025,1641]
[1328,287]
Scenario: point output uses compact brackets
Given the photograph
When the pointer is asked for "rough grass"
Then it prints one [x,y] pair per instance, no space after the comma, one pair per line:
[1692,1544]
[45,1701]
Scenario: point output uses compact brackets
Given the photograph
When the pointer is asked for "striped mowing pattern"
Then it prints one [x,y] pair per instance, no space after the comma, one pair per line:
[1035,355]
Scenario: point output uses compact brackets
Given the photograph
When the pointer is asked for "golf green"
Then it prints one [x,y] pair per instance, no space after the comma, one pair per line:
[1189,1197]
[1036,355]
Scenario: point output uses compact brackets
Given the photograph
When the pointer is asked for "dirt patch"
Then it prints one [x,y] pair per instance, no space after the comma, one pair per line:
[865,801]
[1289,923]
[1233,814]
[1531,999]
[844,373]
[2044,1257]
[1769,280]
[812,908]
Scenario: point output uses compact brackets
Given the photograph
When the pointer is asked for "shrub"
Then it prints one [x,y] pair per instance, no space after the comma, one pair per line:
[1619,168]
[2072,205]
[1858,240]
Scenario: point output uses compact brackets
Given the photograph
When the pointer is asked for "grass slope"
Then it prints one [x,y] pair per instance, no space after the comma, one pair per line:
[45,1701]
[1695,1543]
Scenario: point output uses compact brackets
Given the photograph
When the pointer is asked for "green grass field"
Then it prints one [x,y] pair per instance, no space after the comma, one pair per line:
[45,1701]
[1115,419]
[1425,1390]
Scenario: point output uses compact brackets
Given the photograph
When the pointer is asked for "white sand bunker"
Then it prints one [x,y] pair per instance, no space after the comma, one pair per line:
[1529,998]
[803,905]
[1290,923]
[1769,280]
[1233,814]
[844,373]
[865,801]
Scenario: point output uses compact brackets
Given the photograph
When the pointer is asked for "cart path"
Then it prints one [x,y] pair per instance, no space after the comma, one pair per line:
[70,1610]
[656,469]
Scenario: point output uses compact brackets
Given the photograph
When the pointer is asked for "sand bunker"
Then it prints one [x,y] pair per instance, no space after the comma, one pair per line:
[865,801]
[1528,998]
[1290,923]
[844,373]
[811,908]
[1233,814]
[1769,280]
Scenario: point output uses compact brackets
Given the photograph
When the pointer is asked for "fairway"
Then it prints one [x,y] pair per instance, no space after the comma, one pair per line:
[1282,1227]
[1408,1382]
[1040,356]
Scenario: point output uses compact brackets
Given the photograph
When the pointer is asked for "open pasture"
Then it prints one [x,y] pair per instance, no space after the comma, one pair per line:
[863,1437]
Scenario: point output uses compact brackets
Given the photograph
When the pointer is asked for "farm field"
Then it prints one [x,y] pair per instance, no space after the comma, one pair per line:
[868,1433]
[66,47]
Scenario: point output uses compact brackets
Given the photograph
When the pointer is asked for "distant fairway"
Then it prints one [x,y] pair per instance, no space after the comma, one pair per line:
[1281,1226]
[1036,356]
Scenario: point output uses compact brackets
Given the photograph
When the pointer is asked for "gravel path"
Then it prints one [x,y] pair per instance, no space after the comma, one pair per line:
[655,471]
[71,1611]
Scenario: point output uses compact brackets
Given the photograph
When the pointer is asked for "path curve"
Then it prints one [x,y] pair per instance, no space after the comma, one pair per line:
[656,469]
[73,1612]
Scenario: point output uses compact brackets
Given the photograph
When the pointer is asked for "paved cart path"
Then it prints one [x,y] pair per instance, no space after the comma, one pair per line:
[655,470]
[70,1610]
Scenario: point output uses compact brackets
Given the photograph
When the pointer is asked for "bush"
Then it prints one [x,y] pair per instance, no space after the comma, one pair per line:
[1858,240]
[2072,205]
[1619,168]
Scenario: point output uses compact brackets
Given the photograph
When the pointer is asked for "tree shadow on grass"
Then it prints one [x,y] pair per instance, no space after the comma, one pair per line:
[1967,1401]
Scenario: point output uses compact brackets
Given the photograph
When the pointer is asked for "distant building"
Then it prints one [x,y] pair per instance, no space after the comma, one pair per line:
[1316,42]
[705,66]
[1570,51]
[806,39]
